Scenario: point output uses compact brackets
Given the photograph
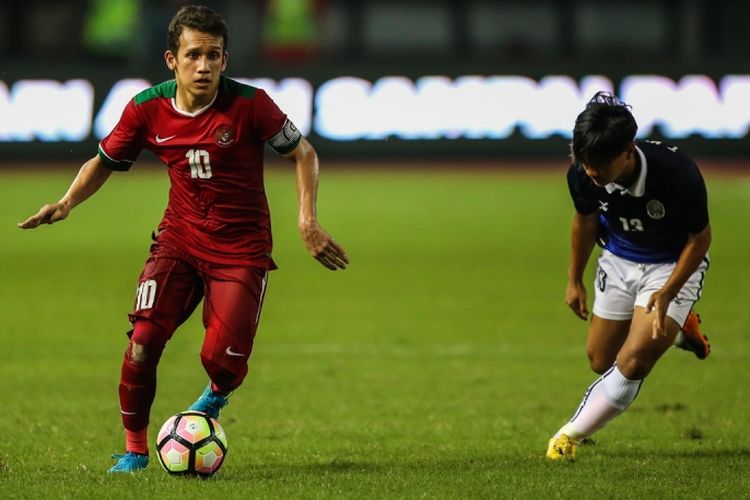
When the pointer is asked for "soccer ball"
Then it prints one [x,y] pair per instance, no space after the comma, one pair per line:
[191,443]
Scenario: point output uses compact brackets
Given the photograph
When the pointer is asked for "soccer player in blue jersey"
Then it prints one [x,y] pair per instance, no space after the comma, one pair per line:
[645,204]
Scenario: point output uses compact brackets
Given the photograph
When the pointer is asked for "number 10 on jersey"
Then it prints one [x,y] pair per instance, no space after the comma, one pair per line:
[200,166]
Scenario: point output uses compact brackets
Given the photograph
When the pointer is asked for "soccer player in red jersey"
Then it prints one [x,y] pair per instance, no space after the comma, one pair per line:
[214,241]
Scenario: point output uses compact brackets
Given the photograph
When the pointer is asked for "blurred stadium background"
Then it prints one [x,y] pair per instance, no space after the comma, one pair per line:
[456,79]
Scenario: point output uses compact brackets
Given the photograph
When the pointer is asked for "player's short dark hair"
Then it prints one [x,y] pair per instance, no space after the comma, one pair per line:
[198,18]
[603,130]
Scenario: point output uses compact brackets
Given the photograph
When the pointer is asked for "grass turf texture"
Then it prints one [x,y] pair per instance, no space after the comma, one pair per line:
[437,366]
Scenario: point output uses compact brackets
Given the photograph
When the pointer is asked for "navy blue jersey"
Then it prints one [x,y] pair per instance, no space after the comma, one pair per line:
[650,221]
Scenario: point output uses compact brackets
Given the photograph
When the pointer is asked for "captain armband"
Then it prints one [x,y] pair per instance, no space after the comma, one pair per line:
[286,139]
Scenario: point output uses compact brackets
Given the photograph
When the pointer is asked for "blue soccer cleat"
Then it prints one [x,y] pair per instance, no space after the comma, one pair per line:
[129,463]
[210,403]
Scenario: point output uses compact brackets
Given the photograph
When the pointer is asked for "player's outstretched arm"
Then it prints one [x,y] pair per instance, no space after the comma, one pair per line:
[92,175]
[317,240]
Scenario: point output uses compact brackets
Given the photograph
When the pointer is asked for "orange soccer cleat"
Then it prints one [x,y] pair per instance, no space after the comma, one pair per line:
[692,339]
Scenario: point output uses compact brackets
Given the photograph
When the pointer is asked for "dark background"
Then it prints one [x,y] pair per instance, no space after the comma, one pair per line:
[107,40]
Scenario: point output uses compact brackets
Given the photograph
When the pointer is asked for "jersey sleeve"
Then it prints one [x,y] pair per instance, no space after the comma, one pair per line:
[584,198]
[694,200]
[273,126]
[121,147]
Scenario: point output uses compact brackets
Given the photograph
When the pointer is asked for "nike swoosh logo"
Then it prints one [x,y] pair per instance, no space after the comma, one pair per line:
[164,139]
[230,352]
[128,412]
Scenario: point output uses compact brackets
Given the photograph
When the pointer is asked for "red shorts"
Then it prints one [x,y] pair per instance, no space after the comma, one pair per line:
[171,286]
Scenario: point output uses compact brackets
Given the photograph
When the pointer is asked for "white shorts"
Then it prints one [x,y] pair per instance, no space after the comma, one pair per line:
[621,285]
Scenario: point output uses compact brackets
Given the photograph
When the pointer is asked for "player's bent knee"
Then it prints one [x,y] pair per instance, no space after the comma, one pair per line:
[635,366]
[137,353]
[599,362]
[227,375]
[599,366]
[146,344]
[143,356]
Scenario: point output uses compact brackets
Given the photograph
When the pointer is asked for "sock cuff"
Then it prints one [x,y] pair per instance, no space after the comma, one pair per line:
[620,391]
[137,441]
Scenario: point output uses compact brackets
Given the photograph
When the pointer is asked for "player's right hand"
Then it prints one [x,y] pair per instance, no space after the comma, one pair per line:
[48,214]
[575,298]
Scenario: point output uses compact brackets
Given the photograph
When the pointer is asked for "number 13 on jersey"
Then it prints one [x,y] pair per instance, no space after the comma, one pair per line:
[200,166]
[631,224]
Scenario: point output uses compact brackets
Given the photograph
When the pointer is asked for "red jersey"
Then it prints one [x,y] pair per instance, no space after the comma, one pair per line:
[217,209]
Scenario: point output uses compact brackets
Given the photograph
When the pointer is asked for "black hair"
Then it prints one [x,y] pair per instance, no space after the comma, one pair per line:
[198,18]
[603,130]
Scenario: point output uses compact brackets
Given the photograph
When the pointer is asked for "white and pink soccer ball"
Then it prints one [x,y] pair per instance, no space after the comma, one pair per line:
[191,443]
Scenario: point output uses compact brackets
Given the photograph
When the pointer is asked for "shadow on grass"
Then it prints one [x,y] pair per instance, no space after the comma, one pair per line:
[741,453]
[349,466]
[479,464]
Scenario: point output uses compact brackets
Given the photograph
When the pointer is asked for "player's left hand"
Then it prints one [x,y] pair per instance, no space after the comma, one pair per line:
[322,247]
[659,303]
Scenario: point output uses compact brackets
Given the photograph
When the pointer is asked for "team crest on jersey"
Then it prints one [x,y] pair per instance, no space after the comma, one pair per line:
[655,209]
[224,135]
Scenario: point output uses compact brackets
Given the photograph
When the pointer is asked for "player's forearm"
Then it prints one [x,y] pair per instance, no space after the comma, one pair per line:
[579,258]
[307,189]
[92,175]
[692,254]
[307,183]
[583,238]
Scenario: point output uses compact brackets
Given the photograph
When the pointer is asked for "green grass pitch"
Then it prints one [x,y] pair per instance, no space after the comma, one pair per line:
[437,366]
